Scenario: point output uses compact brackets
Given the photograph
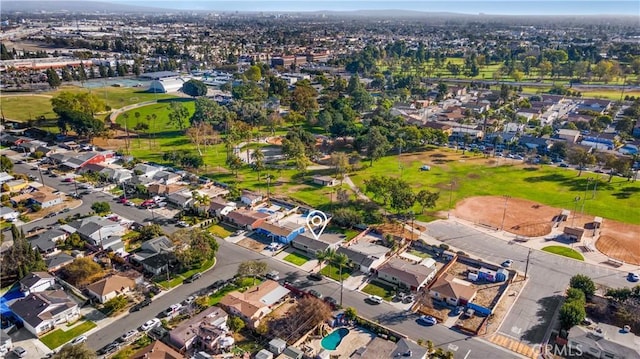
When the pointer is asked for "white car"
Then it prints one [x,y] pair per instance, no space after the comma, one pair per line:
[374,299]
[174,308]
[128,335]
[20,352]
[150,324]
[78,340]
[189,300]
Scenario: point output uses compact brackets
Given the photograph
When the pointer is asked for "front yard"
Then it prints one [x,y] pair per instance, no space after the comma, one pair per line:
[180,277]
[220,231]
[380,289]
[333,272]
[296,258]
[58,337]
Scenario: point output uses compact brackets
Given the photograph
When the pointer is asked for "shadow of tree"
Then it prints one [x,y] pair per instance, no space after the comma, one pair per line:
[546,308]
[391,318]
[626,192]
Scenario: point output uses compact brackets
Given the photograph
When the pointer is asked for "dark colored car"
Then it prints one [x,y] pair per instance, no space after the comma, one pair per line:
[315,276]
[52,214]
[193,277]
[332,302]
[109,348]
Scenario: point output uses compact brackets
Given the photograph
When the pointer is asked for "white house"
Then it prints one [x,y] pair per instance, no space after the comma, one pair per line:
[367,256]
[8,213]
[250,198]
[36,282]
[95,229]
[42,312]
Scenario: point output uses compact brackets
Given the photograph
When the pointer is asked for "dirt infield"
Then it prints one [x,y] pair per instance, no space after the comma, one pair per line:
[522,217]
[530,219]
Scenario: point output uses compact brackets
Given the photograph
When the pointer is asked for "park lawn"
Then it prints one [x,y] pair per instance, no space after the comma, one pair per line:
[333,272]
[59,336]
[297,259]
[382,290]
[564,251]
[475,175]
[117,97]
[24,108]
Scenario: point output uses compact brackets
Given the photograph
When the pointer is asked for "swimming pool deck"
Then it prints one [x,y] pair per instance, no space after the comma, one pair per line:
[356,338]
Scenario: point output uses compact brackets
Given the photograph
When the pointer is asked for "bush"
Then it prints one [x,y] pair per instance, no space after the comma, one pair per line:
[115,304]
[444,247]
[583,283]
[572,313]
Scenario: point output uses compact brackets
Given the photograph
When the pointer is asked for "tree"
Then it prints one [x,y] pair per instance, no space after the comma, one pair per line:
[572,313]
[351,313]
[101,207]
[346,217]
[178,115]
[6,165]
[582,158]
[151,231]
[402,196]
[52,78]
[84,102]
[252,268]
[253,73]
[202,134]
[209,111]
[303,97]
[258,161]
[78,351]
[305,315]
[340,162]
[194,88]
[82,271]
[115,304]
[377,144]
[235,323]
[583,283]
[235,163]
[574,294]
[427,199]
[341,261]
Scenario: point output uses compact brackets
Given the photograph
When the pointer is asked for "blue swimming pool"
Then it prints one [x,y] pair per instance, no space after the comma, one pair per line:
[331,341]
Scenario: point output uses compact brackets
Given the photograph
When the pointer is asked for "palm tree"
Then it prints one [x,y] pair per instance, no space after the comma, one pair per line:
[200,200]
[329,254]
[258,161]
[341,260]
[321,256]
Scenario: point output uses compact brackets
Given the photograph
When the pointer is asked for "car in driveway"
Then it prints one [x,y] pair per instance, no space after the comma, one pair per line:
[150,324]
[20,352]
[427,320]
[374,299]
[174,308]
[507,263]
[632,277]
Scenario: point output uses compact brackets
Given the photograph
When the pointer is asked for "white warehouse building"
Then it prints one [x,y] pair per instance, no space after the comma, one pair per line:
[166,85]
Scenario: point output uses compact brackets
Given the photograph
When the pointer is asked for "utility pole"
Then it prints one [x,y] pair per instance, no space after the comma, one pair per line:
[584,198]
[450,196]
[526,267]
[504,213]
[575,208]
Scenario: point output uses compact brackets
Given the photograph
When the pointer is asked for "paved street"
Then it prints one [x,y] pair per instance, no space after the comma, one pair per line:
[549,276]
[228,259]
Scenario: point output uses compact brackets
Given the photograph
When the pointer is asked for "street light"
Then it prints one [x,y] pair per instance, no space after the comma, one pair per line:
[575,207]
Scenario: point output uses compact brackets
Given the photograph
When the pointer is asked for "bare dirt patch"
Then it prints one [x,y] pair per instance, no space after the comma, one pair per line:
[398,230]
[620,241]
[252,244]
[522,217]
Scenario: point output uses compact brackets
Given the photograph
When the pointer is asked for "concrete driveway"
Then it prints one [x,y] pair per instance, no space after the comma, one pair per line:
[34,347]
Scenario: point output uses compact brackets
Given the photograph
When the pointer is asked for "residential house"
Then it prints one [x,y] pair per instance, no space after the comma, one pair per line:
[31,146]
[365,256]
[157,350]
[246,219]
[157,189]
[16,185]
[220,208]
[452,290]
[540,144]
[263,354]
[46,241]
[571,136]
[95,230]
[57,261]
[153,247]
[117,175]
[310,246]
[292,352]
[110,287]
[250,199]
[145,170]
[8,213]
[160,263]
[405,274]
[382,349]
[45,198]
[43,311]
[181,199]
[35,282]
[202,331]
[604,342]
[166,177]
[80,160]
[5,177]
[327,181]
[596,105]
[256,302]
[276,233]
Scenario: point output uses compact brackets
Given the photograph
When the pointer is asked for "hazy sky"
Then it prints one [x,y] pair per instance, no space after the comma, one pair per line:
[501,7]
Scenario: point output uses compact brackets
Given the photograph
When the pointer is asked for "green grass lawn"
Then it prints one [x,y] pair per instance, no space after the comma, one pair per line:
[564,251]
[220,230]
[333,272]
[382,290]
[418,253]
[59,336]
[296,258]
[475,175]
[179,278]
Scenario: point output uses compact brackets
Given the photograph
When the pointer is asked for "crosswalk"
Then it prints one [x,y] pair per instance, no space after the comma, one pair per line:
[513,345]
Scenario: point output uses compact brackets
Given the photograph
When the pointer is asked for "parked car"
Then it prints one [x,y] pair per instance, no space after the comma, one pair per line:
[109,348]
[68,179]
[52,214]
[190,299]
[128,335]
[182,224]
[273,275]
[78,340]
[315,293]
[427,320]
[150,324]
[408,299]
[563,165]
[507,263]
[374,299]
[632,277]
[195,276]
[333,303]
[20,352]
[315,276]
[174,308]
